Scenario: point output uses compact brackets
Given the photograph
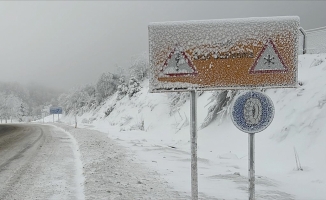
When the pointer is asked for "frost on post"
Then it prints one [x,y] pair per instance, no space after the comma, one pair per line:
[223,54]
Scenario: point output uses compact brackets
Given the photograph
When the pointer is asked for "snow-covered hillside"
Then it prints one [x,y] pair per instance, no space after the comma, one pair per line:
[160,138]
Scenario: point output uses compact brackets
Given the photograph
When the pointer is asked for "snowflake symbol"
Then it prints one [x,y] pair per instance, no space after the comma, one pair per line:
[269,59]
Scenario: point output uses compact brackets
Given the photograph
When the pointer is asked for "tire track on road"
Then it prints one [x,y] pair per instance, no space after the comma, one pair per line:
[19,169]
[41,165]
[19,154]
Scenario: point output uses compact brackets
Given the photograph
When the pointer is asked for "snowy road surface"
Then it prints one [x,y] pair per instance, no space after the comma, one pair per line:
[38,162]
[46,162]
[49,162]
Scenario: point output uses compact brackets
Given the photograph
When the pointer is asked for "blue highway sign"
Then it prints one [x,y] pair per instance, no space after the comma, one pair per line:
[55,110]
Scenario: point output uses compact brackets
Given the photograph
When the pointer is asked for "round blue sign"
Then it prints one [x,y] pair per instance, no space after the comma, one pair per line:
[252,112]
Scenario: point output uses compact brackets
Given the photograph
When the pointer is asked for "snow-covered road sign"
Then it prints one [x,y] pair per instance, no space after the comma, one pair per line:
[223,54]
[252,112]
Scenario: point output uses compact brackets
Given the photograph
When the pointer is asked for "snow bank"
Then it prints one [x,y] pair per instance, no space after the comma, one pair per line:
[160,139]
[111,172]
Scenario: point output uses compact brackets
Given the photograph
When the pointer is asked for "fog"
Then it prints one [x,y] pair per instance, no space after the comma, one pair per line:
[67,44]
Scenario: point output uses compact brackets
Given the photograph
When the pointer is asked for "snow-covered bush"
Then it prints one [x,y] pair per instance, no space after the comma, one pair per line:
[139,67]
[23,110]
[91,119]
[76,102]
[316,62]
[134,86]
[79,100]
[106,86]
[180,122]
[177,99]
[85,121]
[90,90]
[10,106]
[125,120]
[122,89]
[140,125]
[65,102]
[88,120]
[109,110]
[221,101]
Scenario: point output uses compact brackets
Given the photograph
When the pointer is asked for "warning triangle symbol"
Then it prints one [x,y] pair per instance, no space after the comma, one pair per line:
[268,60]
[178,64]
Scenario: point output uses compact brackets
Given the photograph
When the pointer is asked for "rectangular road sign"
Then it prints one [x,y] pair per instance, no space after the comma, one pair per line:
[224,54]
[55,110]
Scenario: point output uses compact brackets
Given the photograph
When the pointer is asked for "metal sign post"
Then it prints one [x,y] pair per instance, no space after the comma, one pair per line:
[193,138]
[252,112]
[251,174]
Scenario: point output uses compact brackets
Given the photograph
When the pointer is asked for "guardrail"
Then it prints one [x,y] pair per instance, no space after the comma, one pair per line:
[315,41]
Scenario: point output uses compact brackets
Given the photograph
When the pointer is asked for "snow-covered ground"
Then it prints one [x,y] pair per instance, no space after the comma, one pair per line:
[112,172]
[163,144]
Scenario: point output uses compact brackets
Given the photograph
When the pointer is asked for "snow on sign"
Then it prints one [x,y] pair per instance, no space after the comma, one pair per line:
[223,54]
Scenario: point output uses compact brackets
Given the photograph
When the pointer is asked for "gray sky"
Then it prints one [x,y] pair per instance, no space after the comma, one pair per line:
[67,44]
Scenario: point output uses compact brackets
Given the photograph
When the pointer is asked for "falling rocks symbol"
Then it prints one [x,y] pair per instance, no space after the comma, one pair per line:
[178,64]
[252,112]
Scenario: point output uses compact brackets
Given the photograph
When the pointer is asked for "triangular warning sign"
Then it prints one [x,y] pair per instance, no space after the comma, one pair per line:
[178,64]
[268,60]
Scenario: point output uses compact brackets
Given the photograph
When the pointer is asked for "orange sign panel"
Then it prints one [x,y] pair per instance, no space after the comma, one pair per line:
[223,54]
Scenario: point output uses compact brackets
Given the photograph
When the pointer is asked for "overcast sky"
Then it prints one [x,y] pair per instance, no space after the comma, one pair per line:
[67,44]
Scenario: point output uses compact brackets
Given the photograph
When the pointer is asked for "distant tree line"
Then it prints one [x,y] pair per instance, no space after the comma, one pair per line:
[124,82]
[19,102]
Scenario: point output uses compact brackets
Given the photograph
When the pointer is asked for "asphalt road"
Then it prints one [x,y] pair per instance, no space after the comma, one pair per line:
[37,162]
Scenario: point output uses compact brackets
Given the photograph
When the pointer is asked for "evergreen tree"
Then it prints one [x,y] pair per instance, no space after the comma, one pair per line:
[122,88]
[134,86]
[21,113]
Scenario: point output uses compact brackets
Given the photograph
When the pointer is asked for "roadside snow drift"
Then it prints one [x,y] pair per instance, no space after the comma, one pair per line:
[146,124]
